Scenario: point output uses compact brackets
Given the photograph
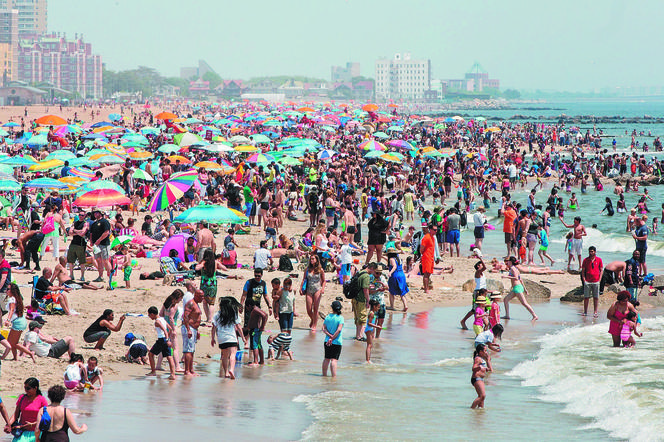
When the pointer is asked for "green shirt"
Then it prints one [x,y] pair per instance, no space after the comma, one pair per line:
[365,282]
[248,197]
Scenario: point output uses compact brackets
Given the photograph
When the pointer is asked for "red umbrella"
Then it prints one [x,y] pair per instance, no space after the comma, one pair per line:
[101,198]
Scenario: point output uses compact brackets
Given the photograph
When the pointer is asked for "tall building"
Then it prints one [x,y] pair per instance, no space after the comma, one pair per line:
[402,78]
[196,72]
[65,64]
[32,16]
[340,74]
[8,44]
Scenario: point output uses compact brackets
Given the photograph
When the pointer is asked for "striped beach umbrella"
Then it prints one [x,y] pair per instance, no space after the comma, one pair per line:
[101,198]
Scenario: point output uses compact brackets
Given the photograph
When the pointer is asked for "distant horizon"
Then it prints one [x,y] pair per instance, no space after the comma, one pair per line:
[567,46]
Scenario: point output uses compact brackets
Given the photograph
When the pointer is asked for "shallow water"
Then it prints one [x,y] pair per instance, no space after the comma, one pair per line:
[418,388]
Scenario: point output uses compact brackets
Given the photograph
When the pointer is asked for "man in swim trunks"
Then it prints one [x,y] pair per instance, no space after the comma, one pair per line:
[204,240]
[191,320]
[577,240]
[613,272]
[62,275]
[591,273]
[640,235]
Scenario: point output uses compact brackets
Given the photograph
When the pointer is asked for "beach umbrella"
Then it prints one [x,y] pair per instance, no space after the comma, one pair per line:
[212,213]
[480,119]
[260,139]
[63,155]
[186,139]
[370,107]
[218,147]
[46,165]
[165,116]
[209,165]
[9,185]
[180,158]
[373,154]
[493,129]
[326,154]
[400,144]
[150,130]
[391,158]
[140,174]
[82,172]
[3,133]
[141,156]
[83,161]
[289,161]
[381,135]
[372,145]
[101,198]
[100,184]
[168,148]
[37,140]
[394,129]
[239,139]
[246,148]
[51,120]
[109,159]
[167,194]
[122,239]
[260,158]
[45,183]
[72,180]
[11,124]
[18,161]
[114,117]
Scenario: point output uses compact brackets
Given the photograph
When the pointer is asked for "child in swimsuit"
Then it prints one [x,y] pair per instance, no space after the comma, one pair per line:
[481,317]
[371,327]
[480,368]
[626,332]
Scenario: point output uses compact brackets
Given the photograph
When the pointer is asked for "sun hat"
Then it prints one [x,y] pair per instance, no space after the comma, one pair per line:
[496,295]
[480,300]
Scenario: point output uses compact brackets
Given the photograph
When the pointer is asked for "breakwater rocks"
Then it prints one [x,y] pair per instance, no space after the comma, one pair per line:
[592,119]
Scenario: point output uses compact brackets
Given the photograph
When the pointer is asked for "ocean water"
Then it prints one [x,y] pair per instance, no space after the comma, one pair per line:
[557,378]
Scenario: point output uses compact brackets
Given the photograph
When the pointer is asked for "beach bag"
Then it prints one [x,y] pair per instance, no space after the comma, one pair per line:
[285,264]
[352,288]
[49,225]
[45,422]
[463,221]
[17,426]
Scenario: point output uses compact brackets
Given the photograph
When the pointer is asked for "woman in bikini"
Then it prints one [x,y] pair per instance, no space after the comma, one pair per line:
[518,289]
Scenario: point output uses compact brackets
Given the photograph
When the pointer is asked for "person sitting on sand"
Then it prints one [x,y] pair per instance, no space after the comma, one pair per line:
[45,290]
[60,272]
[44,345]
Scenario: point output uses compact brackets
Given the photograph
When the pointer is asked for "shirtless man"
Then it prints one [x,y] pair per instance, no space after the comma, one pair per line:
[613,272]
[191,320]
[204,240]
[351,224]
[60,272]
[577,241]
[280,199]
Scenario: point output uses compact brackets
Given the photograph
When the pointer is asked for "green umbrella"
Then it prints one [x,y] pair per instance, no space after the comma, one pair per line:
[122,239]
[142,175]
[214,214]
[99,184]
[289,161]
[260,139]
[63,155]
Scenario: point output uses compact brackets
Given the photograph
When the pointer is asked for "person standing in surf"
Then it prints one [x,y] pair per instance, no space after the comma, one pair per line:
[480,369]
[518,289]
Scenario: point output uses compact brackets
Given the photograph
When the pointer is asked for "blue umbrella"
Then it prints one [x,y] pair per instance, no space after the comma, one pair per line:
[115,117]
[10,124]
[46,183]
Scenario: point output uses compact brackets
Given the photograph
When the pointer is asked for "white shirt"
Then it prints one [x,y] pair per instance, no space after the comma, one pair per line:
[345,256]
[225,333]
[40,347]
[479,219]
[160,332]
[262,258]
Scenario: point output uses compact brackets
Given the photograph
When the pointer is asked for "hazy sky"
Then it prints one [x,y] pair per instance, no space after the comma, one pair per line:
[564,45]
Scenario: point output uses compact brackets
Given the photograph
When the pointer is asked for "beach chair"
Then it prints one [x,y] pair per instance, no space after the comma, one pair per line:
[46,305]
[177,277]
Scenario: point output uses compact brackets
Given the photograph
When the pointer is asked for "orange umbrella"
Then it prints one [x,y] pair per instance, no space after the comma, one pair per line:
[51,120]
[165,116]
[305,109]
[101,198]
[370,107]
[182,159]
[392,105]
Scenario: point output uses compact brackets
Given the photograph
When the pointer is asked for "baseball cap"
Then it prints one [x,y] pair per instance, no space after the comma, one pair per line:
[34,325]
[129,337]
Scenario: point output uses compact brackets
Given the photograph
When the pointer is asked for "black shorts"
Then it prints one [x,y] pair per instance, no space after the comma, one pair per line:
[161,348]
[332,351]
[380,314]
[138,351]
[479,232]
[227,345]
[642,255]
[350,230]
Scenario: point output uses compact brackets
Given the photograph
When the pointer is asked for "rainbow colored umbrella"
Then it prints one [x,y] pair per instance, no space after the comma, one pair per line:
[167,194]
[260,158]
[82,172]
[101,198]
[372,145]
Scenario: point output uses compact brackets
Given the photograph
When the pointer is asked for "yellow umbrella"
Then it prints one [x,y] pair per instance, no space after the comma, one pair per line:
[427,149]
[114,148]
[225,170]
[391,158]
[493,129]
[73,180]
[211,165]
[141,155]
[246,148]
[46,165]
[102,129]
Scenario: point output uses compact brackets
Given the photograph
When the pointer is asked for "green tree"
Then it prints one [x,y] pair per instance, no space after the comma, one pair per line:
[511,94]
[214,79]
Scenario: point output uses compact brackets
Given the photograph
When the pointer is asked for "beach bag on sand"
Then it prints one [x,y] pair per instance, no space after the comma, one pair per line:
[285,264]
[352,288]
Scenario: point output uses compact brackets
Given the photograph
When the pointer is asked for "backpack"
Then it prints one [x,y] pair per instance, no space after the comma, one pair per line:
[463,221]
[45,422]
[352,288]
[285,264]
